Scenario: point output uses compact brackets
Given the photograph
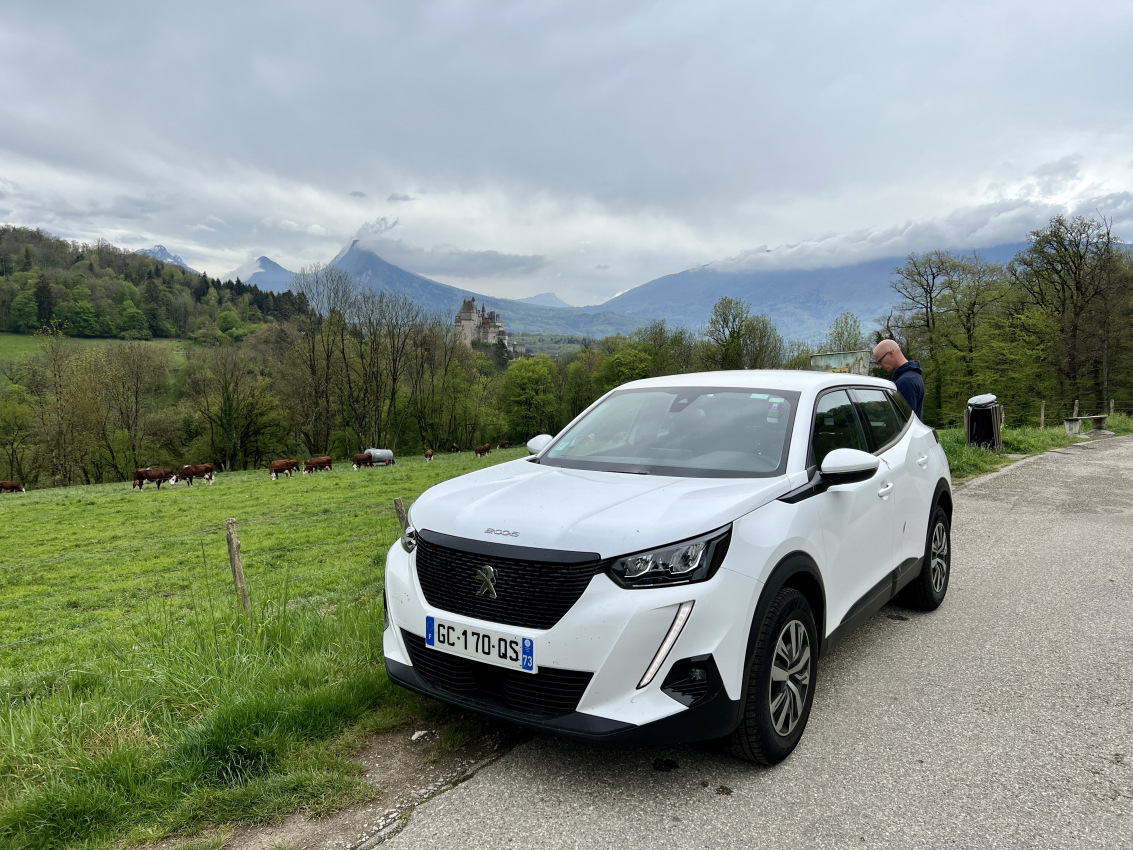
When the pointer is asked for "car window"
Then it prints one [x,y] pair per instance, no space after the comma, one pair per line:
[703,432]
[835,426]
[903,409]
[881,420]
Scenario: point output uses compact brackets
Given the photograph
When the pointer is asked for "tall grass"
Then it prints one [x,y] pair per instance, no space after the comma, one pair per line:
[220,717]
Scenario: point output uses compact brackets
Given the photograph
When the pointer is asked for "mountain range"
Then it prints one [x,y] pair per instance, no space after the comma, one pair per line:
[368,269]
[159,252]
[802,302]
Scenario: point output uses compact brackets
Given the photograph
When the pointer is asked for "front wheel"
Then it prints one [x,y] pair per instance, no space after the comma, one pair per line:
[927,590]
[780,686]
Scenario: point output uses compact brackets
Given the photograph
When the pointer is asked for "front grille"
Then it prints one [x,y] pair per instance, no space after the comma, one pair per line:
[534,588]
[551,691]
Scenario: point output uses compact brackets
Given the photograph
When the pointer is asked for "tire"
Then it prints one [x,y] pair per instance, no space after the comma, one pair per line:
[776,709]
[927,591]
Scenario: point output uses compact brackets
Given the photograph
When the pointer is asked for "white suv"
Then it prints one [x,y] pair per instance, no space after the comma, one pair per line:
[672,565]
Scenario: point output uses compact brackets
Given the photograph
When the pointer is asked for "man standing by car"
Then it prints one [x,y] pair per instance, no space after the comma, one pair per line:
[906,374]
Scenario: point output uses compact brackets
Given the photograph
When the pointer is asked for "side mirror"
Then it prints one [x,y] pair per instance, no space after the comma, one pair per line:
[537,444]
[849,466]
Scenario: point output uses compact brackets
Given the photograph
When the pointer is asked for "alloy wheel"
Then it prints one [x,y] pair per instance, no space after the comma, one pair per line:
[790,677]
[938,557]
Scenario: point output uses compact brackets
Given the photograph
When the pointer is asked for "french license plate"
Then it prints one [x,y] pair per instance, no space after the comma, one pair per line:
[487,645]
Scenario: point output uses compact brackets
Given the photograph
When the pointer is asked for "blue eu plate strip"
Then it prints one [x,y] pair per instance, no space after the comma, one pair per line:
[429,623]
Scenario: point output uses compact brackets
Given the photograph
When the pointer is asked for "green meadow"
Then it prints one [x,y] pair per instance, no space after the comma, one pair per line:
[140,701]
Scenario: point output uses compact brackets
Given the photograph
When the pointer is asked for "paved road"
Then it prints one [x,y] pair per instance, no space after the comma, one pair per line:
[1004,719]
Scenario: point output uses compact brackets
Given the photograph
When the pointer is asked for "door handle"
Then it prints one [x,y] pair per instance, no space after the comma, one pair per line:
[884,491]
[923,460]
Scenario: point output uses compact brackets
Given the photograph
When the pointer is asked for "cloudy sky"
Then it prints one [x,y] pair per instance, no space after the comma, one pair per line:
[577,147]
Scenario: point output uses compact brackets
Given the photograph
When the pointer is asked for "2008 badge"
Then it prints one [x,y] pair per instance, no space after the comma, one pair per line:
[501,531]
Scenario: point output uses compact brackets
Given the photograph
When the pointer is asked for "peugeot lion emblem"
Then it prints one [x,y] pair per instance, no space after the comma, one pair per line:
[487,576]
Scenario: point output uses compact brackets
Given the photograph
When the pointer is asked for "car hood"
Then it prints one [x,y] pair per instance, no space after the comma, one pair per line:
[585,511]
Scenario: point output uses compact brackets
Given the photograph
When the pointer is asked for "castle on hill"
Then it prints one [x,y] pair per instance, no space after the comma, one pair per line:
[485,327]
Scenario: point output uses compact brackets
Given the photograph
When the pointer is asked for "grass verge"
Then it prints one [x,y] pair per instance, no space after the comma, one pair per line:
[967,461]
[139,702]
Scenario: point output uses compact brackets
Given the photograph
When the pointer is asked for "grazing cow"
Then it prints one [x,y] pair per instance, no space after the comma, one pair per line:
[504,444]
[200,470]
[428,455]
[11,487]
[483,450]
[363,459]
[454,448]
[278,467]
[317,463]
[157,475]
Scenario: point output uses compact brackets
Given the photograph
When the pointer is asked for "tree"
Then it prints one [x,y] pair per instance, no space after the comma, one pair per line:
[921,283]
[975,287]
[628,363]
[45,301]
[763,346]
[844,334]
[725,332]
[136,378]
[25,313]
[529,396]
[1070,266]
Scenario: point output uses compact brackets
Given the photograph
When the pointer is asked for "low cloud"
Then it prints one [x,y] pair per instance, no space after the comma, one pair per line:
[979,226]
[316,230]
[445,260]
[395,198]
[357,194]
[601,267]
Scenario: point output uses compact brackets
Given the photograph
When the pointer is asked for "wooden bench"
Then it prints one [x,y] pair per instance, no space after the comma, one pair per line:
[1097,423]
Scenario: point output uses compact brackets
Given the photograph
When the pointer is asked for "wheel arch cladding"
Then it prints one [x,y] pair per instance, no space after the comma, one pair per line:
[943,498]
[798,571]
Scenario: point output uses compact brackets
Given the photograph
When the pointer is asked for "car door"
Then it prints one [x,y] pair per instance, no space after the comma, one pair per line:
[857,519]
[916,511]
[894,440]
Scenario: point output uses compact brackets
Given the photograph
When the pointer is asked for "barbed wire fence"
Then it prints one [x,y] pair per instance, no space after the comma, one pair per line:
[265,582]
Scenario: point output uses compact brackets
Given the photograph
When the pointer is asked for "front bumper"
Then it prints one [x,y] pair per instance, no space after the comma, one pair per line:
[714,718]
[612,633]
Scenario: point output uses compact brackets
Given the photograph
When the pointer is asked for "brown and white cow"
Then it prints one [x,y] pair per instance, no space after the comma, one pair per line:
[504,444]
[155,474]
[11,487]
[364,459]
[483,450]
[318,463]
[200,470]
[428,455]
[278,467]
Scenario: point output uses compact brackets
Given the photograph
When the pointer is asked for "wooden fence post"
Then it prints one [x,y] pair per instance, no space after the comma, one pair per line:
[1111,407]
[1075,408]
[237,567]
[1042,415]
[402,518]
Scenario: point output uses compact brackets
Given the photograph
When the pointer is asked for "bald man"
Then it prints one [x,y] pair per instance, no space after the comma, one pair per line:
[906,374]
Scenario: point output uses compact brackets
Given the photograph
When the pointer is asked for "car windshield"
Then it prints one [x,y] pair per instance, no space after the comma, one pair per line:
[698,432]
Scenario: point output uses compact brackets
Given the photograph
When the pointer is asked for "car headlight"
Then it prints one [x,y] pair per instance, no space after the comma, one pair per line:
[681,563]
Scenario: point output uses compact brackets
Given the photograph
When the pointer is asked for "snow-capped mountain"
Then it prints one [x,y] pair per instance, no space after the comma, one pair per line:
[160,252]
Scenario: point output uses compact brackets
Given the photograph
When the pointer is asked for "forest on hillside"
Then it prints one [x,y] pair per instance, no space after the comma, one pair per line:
[332,367]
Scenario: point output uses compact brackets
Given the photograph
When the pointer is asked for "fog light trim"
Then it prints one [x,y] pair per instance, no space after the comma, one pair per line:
[666,646]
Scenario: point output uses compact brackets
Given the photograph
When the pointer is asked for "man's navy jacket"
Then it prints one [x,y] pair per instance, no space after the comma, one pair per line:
[910,385]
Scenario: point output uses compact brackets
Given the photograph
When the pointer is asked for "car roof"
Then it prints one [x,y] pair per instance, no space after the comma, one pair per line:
[768,379]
